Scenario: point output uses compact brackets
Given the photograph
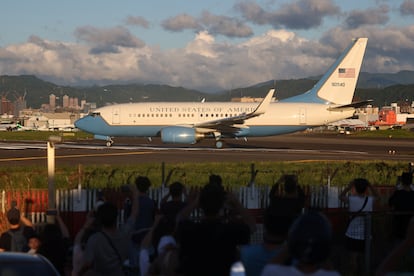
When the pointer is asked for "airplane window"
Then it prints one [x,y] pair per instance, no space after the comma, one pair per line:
[148,115]
[201,115]
[156,115]
[179,115]
[170,115]
[226,115]
[217,115]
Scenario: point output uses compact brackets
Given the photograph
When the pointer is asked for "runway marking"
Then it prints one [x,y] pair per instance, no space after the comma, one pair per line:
[22,146]
[145,149]
[73,156]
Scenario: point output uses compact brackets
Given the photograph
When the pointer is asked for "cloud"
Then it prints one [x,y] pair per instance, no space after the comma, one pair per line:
[180,22]
[107,40]
[225,25]
[407,7]
[215,24]
[373,16]
[112,55]
[253,12]
[301,14]
[202,45]
[389,49]
[137,21]
[305,14]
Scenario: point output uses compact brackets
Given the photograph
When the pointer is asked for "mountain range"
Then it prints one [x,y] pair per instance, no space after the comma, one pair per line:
[382,88]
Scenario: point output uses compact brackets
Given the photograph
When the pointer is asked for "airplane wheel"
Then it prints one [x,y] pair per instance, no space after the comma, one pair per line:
[109,143]
[219,144]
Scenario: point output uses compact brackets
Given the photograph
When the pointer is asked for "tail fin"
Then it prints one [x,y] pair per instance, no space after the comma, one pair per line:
[338,84]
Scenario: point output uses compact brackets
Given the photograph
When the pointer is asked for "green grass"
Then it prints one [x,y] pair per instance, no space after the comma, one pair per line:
[42,135]
[234,174]
[388,133]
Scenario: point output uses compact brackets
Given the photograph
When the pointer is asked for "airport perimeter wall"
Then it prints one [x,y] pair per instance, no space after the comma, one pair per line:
[74,204]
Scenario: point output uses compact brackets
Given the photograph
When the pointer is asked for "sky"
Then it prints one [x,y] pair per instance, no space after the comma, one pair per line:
[205,45]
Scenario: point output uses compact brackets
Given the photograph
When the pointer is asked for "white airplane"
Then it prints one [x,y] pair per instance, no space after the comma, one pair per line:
[328,101]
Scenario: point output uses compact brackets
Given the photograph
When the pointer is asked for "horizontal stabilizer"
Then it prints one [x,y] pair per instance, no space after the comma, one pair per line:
[350,106]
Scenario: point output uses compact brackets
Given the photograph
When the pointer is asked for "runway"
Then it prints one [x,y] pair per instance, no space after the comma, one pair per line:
[296,147]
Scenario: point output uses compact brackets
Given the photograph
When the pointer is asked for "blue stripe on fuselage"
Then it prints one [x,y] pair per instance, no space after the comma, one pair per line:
[96,125]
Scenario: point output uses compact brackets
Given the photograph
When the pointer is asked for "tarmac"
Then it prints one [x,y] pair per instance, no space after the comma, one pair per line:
[294,147]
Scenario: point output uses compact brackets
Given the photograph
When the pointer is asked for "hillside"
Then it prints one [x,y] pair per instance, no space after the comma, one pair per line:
[382,88]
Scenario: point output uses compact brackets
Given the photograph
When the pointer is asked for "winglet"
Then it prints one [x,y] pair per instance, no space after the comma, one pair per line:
[262,107]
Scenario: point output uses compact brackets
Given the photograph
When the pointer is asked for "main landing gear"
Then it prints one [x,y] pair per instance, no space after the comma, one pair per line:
[108,139]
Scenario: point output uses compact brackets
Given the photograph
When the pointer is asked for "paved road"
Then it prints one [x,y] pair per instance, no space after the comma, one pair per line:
[278,148]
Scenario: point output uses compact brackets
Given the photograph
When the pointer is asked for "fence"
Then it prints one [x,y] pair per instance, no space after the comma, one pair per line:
[74,205]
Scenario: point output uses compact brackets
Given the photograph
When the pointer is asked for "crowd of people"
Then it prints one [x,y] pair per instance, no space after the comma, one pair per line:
[207,231]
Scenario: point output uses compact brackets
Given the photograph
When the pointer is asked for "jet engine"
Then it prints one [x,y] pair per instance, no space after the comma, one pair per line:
[180,135]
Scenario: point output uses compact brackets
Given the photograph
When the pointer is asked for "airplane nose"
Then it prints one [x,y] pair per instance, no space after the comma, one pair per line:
[80,123]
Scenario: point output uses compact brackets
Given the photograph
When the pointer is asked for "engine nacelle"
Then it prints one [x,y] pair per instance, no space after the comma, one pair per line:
[180,135]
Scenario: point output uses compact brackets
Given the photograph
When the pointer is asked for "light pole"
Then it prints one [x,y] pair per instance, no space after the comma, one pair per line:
[51,204]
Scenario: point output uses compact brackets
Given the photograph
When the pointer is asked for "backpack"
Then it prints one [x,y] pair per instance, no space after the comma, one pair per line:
[18,240]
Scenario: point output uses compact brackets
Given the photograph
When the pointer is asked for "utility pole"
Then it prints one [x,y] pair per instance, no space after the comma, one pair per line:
[51,205]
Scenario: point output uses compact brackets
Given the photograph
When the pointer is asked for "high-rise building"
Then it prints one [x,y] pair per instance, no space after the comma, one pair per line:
[83,102]
[65,101]
[52,102]
[7,106]
[71,103]
[19,105]
[76,103]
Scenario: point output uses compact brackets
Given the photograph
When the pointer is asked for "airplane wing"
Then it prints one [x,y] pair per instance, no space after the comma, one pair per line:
[234,124]
[350,106]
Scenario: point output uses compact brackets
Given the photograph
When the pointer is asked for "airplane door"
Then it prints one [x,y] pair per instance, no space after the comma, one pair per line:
[302,116]
[115,116]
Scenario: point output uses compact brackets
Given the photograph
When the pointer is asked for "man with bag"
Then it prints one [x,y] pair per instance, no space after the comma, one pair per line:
[16,238]
[359,202]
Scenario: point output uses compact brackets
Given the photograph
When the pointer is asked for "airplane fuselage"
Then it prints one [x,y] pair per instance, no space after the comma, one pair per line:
[147,119]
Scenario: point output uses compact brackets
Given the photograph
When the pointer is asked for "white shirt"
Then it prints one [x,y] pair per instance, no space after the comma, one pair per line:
[356,228]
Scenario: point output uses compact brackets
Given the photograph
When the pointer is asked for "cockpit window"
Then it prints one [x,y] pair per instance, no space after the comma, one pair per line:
[94,114]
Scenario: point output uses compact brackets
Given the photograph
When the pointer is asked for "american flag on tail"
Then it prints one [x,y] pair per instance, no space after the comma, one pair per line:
[346,72]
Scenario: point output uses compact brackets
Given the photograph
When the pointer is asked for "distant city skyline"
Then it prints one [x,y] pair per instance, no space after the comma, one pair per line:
[204,45]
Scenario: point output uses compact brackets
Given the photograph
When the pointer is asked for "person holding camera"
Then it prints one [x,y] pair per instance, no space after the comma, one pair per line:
[210,246]
[402,205]
[292,200]
[16,238]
